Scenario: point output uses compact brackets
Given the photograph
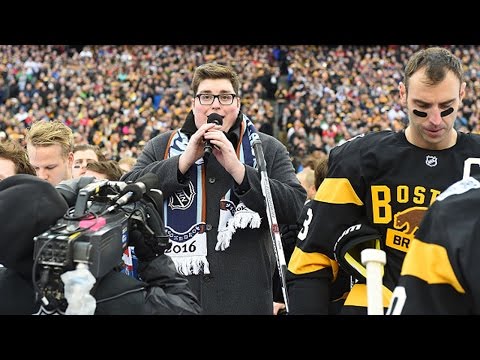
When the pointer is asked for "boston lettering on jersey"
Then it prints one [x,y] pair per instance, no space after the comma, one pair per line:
[404,223]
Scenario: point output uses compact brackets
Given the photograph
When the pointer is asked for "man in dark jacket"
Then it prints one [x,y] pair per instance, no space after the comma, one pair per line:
[215,211]
[28,207]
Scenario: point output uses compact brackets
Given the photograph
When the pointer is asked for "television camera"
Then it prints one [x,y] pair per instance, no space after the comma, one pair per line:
[96,231]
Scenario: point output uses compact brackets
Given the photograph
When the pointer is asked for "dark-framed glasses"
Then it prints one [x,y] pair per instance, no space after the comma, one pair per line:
[208,99]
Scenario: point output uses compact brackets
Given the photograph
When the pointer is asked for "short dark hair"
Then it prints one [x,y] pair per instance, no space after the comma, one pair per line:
[109,168]
[215,71]
[437,62]
[94,148]
[321,171]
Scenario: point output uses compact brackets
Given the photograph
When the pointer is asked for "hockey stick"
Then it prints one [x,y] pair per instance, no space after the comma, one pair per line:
[272,218]
[374,261]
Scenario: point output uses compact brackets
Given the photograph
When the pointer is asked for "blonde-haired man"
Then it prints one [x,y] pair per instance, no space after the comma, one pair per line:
[307,179]
[50,150]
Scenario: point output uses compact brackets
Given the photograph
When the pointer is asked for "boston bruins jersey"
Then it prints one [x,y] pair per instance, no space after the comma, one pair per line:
[383,185]
[440,271]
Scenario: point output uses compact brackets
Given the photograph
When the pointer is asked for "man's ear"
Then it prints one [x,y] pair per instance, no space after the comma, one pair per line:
[403,94]
[70,159]
[462,90]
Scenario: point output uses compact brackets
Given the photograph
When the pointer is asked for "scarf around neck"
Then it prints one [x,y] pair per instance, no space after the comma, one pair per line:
[185,210]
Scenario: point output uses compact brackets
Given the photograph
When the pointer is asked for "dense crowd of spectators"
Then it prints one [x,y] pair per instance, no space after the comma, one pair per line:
[118,97]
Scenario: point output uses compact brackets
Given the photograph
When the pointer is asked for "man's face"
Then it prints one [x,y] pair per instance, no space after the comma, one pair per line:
[434,131]
[49,163]
[80,161]
[308,186]
[216,87]
[7,168]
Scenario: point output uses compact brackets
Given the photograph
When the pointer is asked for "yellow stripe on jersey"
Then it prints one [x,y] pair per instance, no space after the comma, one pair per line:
[303,262]
[358,296]
[337,191]
[430,263]
[353,257]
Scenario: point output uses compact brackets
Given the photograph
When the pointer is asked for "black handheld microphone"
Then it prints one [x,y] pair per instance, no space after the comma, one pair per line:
[135,191]
[216,119]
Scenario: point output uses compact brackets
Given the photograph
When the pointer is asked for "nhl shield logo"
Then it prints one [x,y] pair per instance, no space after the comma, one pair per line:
[431,160]
[183,199]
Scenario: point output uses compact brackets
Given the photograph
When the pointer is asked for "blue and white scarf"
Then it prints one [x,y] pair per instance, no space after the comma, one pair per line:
[185,210]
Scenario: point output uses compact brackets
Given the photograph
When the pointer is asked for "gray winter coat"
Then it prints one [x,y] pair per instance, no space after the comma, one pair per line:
[240,279]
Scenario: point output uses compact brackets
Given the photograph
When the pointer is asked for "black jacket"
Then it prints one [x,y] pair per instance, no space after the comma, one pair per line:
[164,292]
[240,279]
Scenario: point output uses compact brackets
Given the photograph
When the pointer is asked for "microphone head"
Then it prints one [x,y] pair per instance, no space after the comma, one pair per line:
[151,181]
[141,186]
[215,118]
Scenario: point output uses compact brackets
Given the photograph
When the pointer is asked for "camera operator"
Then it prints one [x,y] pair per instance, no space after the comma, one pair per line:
[28,207]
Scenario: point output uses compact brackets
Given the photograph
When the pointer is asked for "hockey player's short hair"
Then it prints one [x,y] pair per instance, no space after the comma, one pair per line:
[437,62]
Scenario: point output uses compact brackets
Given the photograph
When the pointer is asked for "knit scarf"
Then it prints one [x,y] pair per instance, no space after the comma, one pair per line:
[185,210]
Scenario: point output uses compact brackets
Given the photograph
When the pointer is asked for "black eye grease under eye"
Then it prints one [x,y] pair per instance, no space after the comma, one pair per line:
[446,112]
[424,114]
[419,113]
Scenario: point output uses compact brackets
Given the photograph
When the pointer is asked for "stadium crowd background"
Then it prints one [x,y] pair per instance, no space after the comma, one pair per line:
[118,97]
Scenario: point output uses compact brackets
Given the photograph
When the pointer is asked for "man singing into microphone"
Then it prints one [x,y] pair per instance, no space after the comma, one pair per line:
[215,211]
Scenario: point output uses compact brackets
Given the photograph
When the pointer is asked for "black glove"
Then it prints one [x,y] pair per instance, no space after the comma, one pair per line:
[289,238]
[350,244]
[289,233]
[143,251]
[148,235]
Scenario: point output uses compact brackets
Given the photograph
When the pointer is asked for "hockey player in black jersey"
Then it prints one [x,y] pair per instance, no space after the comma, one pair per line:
[379,187]
[440,272]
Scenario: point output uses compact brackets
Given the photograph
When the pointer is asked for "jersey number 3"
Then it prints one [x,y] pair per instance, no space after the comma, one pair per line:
[303,233]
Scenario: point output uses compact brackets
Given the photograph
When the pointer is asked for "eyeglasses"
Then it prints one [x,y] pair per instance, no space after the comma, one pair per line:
[208,99]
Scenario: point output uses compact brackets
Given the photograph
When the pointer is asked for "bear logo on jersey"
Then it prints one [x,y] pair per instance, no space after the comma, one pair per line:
[406,222]
[409,219]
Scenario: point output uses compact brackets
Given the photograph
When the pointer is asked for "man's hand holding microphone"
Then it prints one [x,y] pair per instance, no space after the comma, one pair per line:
[196,146]
[210,139]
